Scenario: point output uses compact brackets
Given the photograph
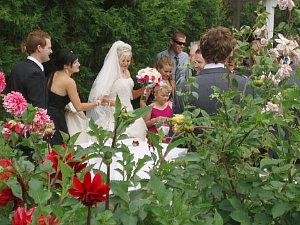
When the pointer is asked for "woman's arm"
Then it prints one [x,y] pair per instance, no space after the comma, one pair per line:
[151,121]
[138,92]
[71,89]
[143,102]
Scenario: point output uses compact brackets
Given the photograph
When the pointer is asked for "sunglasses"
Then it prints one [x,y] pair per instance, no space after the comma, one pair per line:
[179,42]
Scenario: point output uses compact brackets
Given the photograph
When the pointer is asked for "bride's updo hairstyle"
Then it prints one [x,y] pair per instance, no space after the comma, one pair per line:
[65,57]
[124,51]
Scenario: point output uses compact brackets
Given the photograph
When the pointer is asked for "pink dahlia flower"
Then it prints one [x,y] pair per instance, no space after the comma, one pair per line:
[40,121]
[15,103]
[2,82]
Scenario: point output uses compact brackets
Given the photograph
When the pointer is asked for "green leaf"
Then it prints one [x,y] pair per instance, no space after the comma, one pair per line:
[262,219]
[15,187]
[120,191]
[240,216]
[195,95]
[218,220]
[129,219]
[297,16]
[137,204]
[38,192]
[236,204]
[280,208]
[266,163]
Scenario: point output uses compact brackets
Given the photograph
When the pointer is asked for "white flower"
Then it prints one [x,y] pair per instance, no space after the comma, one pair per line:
[271,107]
[296,57]
[259,31]
[284,4]
[264,41]
[278,96]
[284,71]
[274,54]
[275,80]
[285,46]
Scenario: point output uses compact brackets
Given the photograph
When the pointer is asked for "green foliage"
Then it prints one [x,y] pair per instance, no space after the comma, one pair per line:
[228,178]
[90,27]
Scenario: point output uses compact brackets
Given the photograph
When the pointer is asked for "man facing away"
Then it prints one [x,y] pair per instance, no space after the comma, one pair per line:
[215,45]
[28,76]
[179,57]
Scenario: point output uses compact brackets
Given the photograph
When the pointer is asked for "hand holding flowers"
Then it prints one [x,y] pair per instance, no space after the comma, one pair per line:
[149,77]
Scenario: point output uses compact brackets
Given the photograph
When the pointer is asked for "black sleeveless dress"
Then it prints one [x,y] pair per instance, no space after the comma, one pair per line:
[56,111]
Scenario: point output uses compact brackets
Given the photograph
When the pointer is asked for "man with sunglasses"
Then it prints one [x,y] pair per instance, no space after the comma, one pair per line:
[180,58]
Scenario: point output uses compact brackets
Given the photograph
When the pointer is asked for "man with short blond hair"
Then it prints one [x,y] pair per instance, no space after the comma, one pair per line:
[179,57]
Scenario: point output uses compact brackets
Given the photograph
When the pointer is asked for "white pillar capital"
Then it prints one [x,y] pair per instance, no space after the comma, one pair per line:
[270,8]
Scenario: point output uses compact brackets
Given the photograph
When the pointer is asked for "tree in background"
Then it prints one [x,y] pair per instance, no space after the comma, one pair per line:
[90,27]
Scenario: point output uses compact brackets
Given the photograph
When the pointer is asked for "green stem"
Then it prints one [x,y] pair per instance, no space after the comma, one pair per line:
[108,183]
[89,216]
[247,134]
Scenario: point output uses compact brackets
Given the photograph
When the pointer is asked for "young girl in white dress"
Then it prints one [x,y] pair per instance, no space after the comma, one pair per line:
[114,79]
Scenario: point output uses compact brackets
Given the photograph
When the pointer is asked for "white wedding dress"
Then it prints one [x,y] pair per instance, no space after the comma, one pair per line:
[105,114]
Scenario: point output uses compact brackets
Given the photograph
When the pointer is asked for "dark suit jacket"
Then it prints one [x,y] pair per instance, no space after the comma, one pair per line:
[28,78]
[207,79]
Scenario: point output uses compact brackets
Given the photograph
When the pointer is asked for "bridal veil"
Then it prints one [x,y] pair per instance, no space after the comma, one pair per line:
[103,83]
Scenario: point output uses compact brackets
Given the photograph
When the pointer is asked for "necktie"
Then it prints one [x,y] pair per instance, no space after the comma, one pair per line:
[176,59]
[176,74]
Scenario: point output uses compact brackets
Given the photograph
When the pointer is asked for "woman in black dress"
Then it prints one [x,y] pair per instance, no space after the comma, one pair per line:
[61,90]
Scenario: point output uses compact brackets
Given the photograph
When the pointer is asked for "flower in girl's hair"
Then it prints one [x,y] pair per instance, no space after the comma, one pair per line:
[90,191]
[15,103]
[2,82]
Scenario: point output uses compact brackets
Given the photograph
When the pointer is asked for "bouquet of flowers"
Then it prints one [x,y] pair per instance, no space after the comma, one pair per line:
[149,77]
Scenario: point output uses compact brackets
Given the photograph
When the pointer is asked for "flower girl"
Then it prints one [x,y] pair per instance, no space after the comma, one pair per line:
[161,110]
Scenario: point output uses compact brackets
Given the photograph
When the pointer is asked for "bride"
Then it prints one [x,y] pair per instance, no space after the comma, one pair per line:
[114,79]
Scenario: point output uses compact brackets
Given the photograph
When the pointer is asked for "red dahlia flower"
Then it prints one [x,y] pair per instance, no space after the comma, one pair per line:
[24,217]
[53,156]
[6,172]
[89,192]
[6,195]
[47,220]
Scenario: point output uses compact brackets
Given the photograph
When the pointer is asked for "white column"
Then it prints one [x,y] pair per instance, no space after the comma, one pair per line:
[270,6]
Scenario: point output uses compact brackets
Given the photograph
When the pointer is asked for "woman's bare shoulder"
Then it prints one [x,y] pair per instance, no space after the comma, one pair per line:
[127,74]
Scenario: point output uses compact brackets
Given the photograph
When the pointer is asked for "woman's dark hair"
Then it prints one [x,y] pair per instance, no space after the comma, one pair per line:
[64,57]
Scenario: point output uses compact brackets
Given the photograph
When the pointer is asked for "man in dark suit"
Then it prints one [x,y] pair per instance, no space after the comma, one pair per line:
[28,76]
[215,45]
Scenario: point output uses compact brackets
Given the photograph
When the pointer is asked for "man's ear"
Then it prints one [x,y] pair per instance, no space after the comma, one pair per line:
[39,48]
[171,41]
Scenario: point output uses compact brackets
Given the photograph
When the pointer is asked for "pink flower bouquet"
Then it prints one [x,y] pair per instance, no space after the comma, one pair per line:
[149,77]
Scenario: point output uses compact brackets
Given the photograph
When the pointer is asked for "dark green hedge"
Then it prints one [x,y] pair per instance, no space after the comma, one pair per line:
[90,27]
